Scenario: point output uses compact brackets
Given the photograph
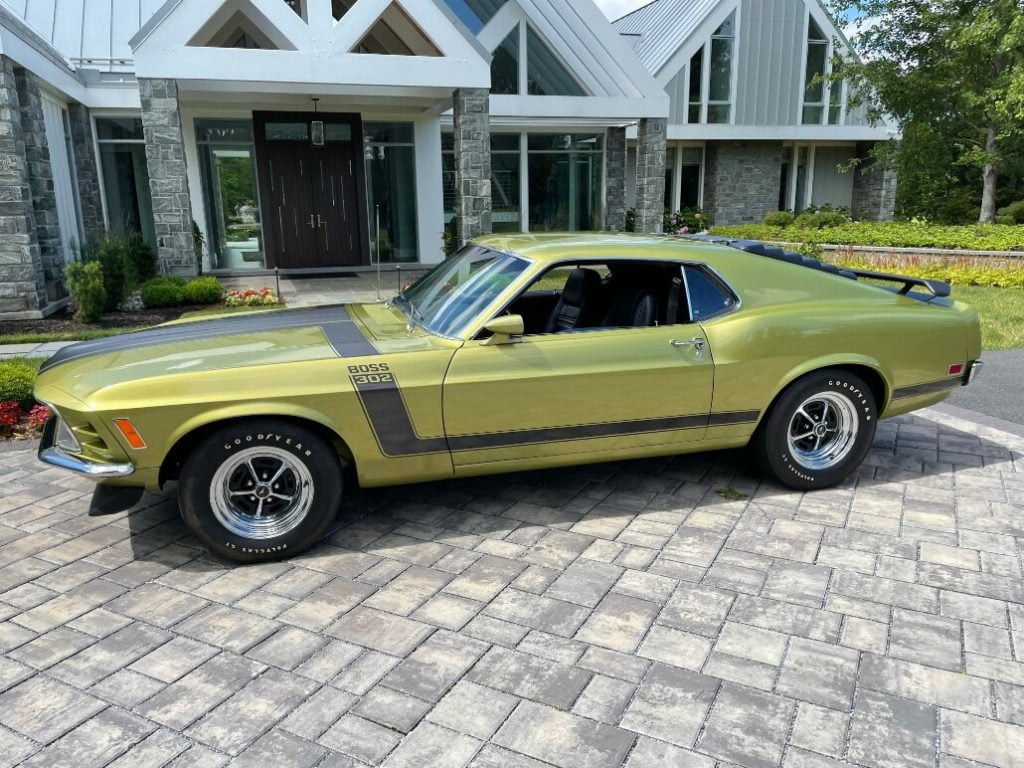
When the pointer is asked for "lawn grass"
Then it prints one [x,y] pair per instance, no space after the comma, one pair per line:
[84,335]
[198,314]
[1002,314]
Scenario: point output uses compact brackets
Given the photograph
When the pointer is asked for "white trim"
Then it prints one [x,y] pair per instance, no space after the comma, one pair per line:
[498,28]
[809,184]
[429,189]
[569,108]
[734,64]
[524,181]
[723,132]
[700,36]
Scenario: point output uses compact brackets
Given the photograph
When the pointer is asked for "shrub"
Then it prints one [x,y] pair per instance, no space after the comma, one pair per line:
[37,417]
[779,219]
[85,282]
[820,218]
[17,377]
[139,259]
[630,225]
[252,298]
[1013,213]
[890,234]
[198,243]
[203,290]
[10,415]
[953,271]
[685,222]
[162,292]
[112,255]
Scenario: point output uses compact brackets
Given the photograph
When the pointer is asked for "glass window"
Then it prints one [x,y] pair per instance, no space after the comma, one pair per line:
[689,183]
[565,182]
[338,132]
[545,73]
[696,86]
[720,78]
[475,13]
[287,131]
[505,66]
[391,191]
[125,175]
[227,160]
[708,297]
[670,175]
[452,295]
[816,92]
[506,214]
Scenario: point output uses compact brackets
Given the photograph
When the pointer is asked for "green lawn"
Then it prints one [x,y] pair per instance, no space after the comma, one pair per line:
[1002,314]
[86,335]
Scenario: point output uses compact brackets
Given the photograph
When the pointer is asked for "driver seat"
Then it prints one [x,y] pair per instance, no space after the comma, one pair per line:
[580,302]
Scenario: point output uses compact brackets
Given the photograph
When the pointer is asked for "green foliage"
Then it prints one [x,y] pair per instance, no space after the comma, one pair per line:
[163,292]
[85,282]
[203,290]
[140,261]
[112,256]
[890,234]
[198,242]
[17,378]
[779,219]
[686,221]
[820,218]
[630,220]
[952,271]
[1014,212]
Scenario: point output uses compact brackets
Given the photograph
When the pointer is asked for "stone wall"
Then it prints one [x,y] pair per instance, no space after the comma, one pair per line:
[168,177]
[22,282]
[615,181]
[472,135]
[874,188]
[86,173]
[650,174]
[742,180]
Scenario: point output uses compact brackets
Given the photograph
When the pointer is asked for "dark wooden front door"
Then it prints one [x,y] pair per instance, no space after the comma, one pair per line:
[311,184]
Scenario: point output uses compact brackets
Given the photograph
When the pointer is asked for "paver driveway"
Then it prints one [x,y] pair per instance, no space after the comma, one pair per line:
[659,613]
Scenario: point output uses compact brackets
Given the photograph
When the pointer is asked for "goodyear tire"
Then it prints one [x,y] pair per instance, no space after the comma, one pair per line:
[818,431]
[260,490]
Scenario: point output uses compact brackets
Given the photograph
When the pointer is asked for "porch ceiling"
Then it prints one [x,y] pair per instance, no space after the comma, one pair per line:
[296,96]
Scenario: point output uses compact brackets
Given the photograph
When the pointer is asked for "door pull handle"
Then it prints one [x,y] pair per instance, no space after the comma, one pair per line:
[698,344]
[312,221]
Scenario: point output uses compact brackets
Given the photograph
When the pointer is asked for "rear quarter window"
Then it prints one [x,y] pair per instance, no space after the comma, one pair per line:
[708,296]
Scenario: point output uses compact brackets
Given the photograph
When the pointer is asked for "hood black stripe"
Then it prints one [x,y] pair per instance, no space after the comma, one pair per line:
[337,325]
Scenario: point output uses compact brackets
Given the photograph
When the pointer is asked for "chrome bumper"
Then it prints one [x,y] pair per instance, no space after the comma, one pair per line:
[972,372]
[52,454]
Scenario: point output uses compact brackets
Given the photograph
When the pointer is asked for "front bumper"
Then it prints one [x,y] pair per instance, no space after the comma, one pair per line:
[52,454]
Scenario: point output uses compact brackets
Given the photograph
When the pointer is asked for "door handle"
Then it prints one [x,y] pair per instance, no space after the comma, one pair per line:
[312,221]
[698,344]
[320,220]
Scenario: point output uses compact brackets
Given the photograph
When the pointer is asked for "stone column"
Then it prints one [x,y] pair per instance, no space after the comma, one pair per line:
[874,188]
[40,178]
[86,173]
[742,180]
[22,282]
[615,181]
[650,174]
[168,177]
[472,162]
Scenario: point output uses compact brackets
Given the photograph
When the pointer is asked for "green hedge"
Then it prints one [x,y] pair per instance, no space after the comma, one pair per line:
[17,378]
[954,272]
[901,234]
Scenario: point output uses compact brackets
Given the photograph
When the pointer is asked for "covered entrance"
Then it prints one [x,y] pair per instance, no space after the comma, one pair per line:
[312,189]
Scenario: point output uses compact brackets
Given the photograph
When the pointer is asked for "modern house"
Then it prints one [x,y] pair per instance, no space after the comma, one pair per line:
[324,135]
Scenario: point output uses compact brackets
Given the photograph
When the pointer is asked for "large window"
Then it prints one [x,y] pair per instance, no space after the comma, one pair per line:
[506,203]
[823,99]
[125,176]
[544,73]
[710,77]
[565,181]
[696,87]
[475,13]
[227,161]
[683,177]
[391,191]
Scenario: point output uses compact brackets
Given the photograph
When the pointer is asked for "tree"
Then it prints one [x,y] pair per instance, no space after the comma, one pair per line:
[955,66]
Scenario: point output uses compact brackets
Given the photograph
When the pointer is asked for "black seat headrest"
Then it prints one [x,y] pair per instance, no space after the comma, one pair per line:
[582,283]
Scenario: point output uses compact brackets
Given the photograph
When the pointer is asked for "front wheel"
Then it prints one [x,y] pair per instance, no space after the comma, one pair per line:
[818,431]
[260,490]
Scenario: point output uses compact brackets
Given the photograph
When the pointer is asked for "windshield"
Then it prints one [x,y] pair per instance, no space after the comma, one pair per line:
[449,297]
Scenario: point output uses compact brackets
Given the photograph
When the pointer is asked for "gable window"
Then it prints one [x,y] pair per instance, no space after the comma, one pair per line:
[475,13]
[542,73]
[710,77]
[696,87]
[505,66]
[823,100]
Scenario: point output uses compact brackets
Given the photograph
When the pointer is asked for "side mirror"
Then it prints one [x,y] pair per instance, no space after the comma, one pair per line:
[507,329]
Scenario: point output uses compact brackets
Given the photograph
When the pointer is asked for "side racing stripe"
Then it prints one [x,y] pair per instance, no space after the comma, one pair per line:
[392,425]
[927,388]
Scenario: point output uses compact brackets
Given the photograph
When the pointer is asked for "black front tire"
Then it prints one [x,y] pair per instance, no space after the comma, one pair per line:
[289,462]
[836,403]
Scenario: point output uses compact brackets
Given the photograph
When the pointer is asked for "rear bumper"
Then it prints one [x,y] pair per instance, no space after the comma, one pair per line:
[52,454]
[973,369]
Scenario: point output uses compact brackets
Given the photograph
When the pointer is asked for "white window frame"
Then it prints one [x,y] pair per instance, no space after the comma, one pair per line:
[705,85]
[826,90]
[677,171]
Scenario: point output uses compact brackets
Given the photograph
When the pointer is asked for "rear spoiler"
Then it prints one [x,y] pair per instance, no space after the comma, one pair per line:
[937,288]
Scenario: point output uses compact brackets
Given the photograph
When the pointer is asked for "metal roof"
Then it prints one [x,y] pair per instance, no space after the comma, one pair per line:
[664,26]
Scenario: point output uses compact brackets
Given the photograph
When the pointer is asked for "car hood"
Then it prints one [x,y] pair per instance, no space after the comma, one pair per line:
[243,340]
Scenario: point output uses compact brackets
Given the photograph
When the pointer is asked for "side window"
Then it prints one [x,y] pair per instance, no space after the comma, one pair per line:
[708,297]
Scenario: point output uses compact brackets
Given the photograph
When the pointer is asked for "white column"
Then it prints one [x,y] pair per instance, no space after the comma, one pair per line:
[429,190]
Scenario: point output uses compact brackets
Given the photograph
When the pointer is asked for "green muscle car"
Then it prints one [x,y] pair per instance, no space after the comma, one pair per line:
[517,353]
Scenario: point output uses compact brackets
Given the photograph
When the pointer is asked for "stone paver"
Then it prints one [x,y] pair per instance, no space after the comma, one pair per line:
[612,615]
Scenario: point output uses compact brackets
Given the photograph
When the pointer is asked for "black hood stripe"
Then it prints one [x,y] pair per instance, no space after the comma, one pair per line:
[334,321]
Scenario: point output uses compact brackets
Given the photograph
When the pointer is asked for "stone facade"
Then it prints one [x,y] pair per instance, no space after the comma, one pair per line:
[168,177]
[874,188]
[650,174]
[615,181]
[742,180]
[22,278]
[472,134]
[86,173]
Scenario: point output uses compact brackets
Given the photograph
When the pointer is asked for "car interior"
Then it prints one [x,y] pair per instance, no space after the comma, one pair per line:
[617,294]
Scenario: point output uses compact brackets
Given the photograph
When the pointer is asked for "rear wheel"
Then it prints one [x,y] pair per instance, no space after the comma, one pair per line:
[260,490]
[818,431]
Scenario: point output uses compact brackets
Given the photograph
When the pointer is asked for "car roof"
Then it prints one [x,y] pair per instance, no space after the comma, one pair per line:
[562,246]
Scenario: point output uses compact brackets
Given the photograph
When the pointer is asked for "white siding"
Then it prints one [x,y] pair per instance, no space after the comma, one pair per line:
[769,69]
[831,185]
[63,178]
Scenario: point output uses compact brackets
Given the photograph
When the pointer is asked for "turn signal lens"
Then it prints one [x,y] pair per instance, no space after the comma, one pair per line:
[956,369]
[131,434]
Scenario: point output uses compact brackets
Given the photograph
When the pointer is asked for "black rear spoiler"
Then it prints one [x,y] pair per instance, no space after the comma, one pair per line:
[937,288]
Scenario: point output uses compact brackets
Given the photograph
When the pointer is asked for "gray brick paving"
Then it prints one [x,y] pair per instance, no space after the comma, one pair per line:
[614,615]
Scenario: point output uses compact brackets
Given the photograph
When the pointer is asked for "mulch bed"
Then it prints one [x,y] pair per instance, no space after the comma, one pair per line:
[64,322]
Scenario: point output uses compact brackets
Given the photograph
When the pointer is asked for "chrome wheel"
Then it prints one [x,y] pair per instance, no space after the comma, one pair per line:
[261,493]
[823,430]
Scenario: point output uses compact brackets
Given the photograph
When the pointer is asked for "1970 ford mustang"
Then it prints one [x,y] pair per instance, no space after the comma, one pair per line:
[517,353]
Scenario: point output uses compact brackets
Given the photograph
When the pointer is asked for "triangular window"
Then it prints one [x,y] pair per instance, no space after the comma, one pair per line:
[298,6]
[340,7]
[396,34]
[546,74]
[505,66]
[243,29]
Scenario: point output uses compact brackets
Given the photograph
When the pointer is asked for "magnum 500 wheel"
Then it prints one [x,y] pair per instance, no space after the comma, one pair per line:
[818,431]
[260,490]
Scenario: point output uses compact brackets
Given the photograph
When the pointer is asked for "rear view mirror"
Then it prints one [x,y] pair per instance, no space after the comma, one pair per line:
[507,329]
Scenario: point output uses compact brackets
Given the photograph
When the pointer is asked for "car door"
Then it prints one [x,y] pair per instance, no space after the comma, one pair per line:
[601,392]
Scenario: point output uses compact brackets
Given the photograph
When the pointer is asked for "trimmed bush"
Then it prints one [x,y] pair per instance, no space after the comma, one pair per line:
[964,271]
[85,282]
[890,234]
[203,290]
[779,219]
[820,218]
[139,259]
[17,377]
[162,292]
[112,256]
